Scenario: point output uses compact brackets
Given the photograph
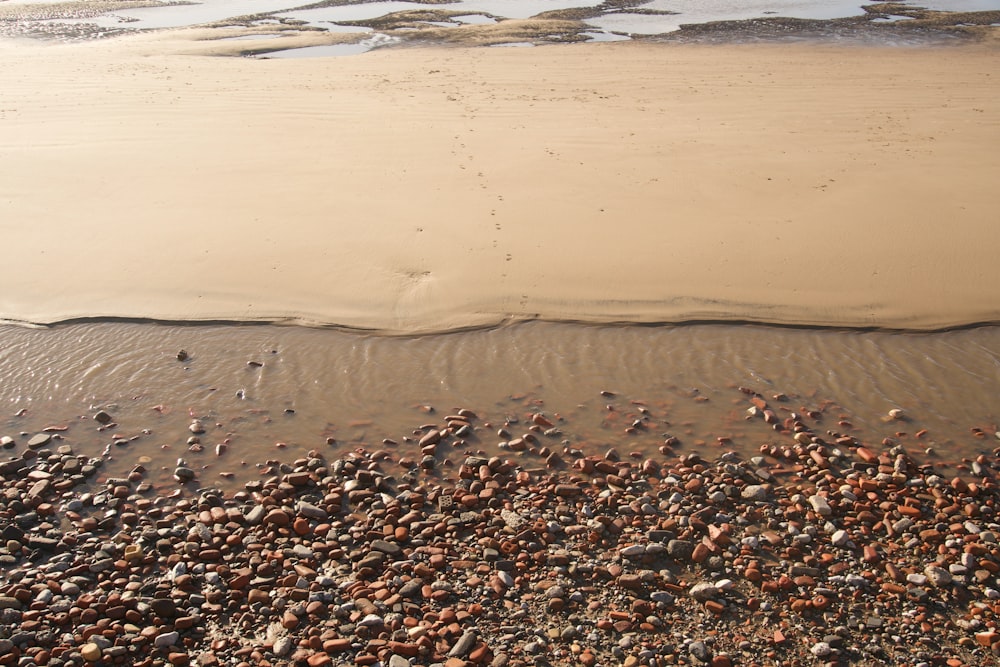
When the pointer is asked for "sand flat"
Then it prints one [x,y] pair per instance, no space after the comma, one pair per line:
[426,189]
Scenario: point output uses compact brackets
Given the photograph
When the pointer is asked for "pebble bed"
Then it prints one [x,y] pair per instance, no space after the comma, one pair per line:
[820,550]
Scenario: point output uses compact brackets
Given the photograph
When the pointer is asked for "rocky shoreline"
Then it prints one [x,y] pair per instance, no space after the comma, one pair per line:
[469,542]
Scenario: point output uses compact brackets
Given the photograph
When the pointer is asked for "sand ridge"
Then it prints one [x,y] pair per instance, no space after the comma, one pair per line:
[417,190]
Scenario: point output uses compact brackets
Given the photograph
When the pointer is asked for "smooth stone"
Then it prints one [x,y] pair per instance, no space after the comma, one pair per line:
[310,511]
[255,515]
[704,591]
[390,549]
[938,576]
[820,505]
[463,645]
[282,646]
[755,492]
[39,440]
[699,651]
[91,652]
[680,549]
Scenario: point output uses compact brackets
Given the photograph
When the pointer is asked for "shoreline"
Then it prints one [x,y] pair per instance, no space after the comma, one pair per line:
[788,183]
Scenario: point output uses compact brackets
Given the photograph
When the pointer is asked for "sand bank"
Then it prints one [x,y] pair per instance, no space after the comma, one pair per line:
[426,189]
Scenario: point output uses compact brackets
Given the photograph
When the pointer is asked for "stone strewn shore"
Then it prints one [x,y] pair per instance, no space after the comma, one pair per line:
[822,550]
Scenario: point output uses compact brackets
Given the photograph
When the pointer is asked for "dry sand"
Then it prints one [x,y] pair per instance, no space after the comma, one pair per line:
[427,189]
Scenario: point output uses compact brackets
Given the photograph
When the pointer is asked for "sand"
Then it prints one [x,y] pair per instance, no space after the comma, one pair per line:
[416,190]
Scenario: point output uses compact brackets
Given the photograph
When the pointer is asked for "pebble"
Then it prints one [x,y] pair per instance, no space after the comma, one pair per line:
[755,492]
[91,652]
[820,649]
[938,576]
[820,505]
[489,556]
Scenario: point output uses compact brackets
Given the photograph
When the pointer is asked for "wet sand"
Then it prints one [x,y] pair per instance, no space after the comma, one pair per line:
[425,190]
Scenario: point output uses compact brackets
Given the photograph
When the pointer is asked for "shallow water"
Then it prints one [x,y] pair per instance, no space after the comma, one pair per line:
[683,11]
[265,385]
[704,11]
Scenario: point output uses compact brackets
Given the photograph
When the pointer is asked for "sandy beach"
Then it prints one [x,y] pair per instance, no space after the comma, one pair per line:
[415,190]
[550,493]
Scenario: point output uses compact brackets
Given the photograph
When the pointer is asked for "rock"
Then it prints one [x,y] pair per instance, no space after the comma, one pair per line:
[166,639]
[282,646]
[700,652]
[820,649]
[680,549]
[255,515]
[634,551]
[102,417]
[91,652]
[277,517]
[755,492]
[183,474]
[163,607]
[310,511]
[938,576]
[840,538]
[820,505]
[463,645]
[704,591]
[390,549]
[567,490]
[432,437]
[39,440]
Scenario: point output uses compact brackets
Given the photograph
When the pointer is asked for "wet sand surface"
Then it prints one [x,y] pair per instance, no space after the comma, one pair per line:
[427,190]
[278,392]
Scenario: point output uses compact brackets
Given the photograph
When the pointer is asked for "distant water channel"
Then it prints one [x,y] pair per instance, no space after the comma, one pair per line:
[603,22]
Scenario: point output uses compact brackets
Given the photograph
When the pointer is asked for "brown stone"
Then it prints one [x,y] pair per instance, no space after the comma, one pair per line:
[337,645]
[256,595]
[277,517]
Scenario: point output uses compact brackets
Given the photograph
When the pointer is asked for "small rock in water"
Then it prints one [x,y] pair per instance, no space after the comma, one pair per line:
[102,417]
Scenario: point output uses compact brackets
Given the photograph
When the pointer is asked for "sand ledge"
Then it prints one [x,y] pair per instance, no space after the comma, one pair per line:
[428,190]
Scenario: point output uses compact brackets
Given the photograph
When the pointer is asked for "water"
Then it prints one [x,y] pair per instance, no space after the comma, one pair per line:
[332,49]
[276,392]
[77,18]
[704,11]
